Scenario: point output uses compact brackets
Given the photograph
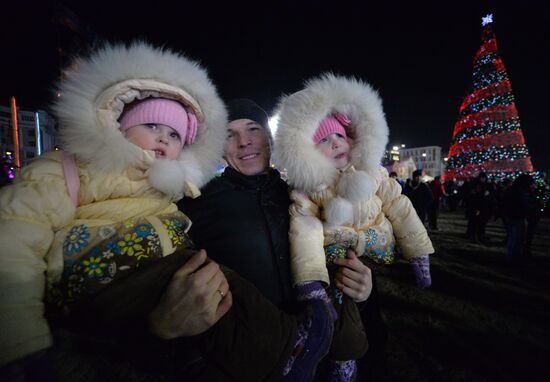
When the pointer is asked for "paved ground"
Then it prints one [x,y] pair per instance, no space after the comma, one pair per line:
[481,320]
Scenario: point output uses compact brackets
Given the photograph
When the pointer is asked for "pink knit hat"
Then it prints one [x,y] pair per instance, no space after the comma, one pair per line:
[333,123]
[164,112]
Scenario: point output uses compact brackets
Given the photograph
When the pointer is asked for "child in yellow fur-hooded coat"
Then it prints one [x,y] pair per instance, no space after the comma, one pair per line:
[357,206]
[122,186]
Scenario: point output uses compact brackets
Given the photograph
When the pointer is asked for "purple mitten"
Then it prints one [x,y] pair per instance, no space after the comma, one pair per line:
[314,335]
[421,268]
[342,371]
[313,290]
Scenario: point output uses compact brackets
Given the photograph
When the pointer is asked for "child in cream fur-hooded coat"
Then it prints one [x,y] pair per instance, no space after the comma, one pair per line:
[358,207]
[121,186]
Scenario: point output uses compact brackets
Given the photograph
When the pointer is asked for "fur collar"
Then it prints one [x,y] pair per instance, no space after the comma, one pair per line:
[94,91]
[300,115]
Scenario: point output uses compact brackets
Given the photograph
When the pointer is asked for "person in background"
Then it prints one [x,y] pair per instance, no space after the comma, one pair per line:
[501,204]
[438,192]
[522,211]
[393,175]
[420,195]
[451,188]
[408,185]
[479,207]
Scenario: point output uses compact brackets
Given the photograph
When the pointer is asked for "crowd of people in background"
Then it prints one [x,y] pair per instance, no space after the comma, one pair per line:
[518,203]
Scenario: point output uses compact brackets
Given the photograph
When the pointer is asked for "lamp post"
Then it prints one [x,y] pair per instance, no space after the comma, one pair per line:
[15,129]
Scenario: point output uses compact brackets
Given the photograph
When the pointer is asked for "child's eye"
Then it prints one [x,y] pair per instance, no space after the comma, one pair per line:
[175,135]
[151,125]
[324,140]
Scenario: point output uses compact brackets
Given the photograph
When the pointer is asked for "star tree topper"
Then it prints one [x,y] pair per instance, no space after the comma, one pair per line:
[488,19]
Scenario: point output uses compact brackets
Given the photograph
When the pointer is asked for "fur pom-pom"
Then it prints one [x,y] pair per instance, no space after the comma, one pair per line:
[169,177]
[355,186]
[338,212]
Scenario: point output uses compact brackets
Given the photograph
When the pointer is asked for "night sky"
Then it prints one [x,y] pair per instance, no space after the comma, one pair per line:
[418,54]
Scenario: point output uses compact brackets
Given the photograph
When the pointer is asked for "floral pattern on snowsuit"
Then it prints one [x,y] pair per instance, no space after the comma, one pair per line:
[379,247]
[96,256]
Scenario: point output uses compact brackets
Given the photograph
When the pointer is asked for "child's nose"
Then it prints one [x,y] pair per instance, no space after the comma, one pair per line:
[163,137]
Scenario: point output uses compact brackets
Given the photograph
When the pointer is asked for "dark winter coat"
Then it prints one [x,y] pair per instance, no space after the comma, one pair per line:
[421,197]
[521,204]
[243,222]
[480,203]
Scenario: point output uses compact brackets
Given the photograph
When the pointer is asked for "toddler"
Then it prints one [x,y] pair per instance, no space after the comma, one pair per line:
[330,140]
[139,128]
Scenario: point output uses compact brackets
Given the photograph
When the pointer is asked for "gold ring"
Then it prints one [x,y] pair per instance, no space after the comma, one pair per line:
[221,293]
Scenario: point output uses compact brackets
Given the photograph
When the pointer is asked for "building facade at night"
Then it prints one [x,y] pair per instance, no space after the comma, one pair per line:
[35,130]
[426,158]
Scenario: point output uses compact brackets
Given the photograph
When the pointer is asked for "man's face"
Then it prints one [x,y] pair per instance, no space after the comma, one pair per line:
[246,147]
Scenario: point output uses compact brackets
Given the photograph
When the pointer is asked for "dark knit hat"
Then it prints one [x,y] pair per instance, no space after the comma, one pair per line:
[244,108]
[416,173]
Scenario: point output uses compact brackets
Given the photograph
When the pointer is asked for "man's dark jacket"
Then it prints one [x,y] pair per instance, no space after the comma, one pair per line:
[242,222]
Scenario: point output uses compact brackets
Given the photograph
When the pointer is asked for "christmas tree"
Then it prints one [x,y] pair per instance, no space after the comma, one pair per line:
[487,136]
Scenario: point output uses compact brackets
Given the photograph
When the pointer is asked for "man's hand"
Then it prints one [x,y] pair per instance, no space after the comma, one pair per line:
[353,278]
[194,300]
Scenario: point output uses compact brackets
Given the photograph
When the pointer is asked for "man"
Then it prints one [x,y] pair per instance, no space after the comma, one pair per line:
[420,195]
[479,208]
[242,219]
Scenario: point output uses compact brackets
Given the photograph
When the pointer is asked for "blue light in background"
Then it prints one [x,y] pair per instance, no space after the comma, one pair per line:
[38,140]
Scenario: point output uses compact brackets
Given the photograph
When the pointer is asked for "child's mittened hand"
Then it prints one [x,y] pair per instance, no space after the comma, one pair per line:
[421,268]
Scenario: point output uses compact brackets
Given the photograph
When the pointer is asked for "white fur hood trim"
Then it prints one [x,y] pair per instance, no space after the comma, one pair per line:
[94,91]
[300,115]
